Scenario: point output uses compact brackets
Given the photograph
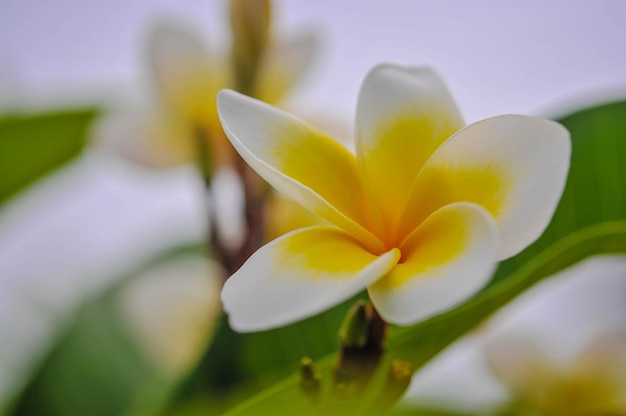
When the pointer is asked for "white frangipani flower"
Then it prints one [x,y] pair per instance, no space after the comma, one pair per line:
[420,215]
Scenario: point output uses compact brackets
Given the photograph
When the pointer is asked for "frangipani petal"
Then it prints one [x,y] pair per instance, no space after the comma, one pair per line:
[523,367]
[514,166]
[305,165]
[447,259]
[284,64]
[187,76]
[603,366]
[403,115]
[298,275]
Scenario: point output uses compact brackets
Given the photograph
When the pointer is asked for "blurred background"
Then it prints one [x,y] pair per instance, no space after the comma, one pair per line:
[79,222]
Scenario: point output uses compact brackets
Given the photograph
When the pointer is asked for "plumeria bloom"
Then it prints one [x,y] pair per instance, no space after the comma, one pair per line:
[186,75]
[419,216]
[590,383]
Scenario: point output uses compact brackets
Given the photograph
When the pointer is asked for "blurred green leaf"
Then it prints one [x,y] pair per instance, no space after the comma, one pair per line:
[418,411]
[95,366]
[94,370]
[594,194]
[33,145]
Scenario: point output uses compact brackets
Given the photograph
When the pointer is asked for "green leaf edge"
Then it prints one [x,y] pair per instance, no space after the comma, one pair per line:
[80,138]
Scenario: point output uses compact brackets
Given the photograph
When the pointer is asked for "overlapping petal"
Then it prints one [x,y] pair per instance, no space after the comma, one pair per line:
[513,166]
[448,258]
[403,115]
[302,163]
[298,275]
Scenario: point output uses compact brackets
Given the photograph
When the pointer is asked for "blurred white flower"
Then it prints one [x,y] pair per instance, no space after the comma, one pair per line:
[171,310]
[591,383]
[182,121]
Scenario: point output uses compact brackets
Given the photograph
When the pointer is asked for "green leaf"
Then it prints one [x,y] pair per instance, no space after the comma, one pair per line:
[236,365]
[95,369]
[418,411]
[95,366]
[419,343]
[33,145]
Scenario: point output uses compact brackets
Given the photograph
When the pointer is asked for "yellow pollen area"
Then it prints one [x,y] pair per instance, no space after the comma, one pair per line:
[322,253]
[325,166]
[439,240]
[402,146]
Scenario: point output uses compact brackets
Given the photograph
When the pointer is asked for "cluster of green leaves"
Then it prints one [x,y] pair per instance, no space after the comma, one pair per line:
[95,368]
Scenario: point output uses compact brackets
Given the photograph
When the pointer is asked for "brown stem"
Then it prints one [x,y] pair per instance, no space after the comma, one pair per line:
[255,191]
[218,251]
[377,329]
[254,188]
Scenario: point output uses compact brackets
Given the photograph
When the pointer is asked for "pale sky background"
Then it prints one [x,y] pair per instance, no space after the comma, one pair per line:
[90,221]
[498,57]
